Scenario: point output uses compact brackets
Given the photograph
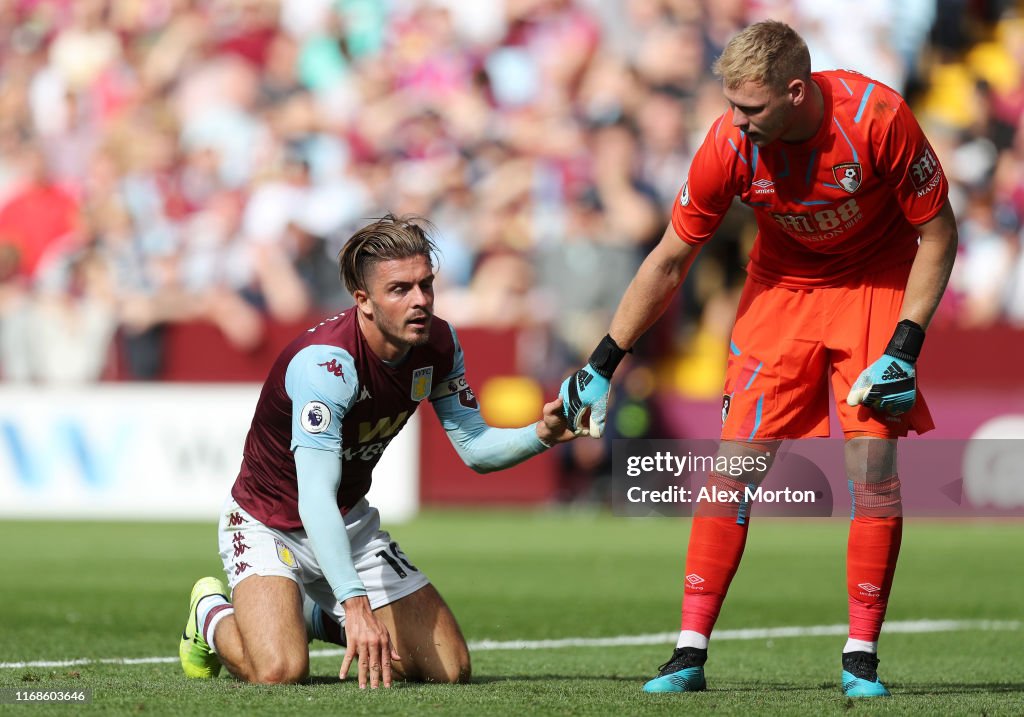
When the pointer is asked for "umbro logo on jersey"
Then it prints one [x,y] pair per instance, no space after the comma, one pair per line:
[764,186]
[693,579]
[869,588]
[894,373]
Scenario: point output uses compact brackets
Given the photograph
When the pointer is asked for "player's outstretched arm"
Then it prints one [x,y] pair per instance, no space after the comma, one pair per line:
[890,383]
[485,448]
[655,283]
[482,447]
[646,298]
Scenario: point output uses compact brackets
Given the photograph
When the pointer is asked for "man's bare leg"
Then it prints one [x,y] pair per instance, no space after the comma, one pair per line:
[427,637]
[264,640]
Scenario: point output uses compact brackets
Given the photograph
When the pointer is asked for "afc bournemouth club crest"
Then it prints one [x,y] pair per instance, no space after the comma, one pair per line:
[848,175]
[422,380]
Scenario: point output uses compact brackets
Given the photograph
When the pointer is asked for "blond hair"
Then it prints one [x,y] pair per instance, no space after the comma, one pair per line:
[770,53]
[386,239]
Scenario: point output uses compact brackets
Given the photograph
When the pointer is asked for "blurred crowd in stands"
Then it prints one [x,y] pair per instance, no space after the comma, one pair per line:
[171,161]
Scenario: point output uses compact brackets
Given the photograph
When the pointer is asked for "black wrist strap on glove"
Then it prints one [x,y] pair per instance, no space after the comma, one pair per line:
[906,341]
[606,356]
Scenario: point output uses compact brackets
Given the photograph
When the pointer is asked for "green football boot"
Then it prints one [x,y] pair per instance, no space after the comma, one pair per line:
[197,660]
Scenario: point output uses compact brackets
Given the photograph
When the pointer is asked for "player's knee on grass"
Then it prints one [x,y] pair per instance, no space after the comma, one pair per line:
[443,663]
[272,647]
[282,670]
[428,638]
[452,668]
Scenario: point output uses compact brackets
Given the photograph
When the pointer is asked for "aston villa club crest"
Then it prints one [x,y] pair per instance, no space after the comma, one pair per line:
[848,175]
[422,380]
[285,555]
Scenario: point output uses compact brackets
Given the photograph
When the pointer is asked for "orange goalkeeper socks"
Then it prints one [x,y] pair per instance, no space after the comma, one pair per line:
[717,539]
[871,554]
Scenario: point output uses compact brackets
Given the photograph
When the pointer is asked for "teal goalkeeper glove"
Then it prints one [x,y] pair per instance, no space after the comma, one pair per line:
[890,383]
[589,388]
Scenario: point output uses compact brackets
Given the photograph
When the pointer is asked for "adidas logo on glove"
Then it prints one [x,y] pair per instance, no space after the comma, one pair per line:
[894,372]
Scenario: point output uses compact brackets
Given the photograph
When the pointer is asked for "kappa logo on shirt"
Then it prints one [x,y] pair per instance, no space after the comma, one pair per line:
[334,367]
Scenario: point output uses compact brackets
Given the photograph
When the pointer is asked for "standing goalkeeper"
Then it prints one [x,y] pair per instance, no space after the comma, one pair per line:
[856,240]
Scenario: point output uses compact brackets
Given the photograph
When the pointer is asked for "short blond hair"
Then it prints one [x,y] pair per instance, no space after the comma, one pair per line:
[385,239]
[770,53]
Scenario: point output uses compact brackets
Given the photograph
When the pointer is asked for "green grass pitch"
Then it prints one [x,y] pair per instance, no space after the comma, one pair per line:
[116,590]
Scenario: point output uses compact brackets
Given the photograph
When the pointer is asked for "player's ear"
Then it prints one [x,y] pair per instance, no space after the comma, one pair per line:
[797,92]
[363,302]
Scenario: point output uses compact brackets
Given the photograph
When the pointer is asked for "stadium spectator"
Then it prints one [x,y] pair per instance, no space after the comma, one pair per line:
[432,106]
[297,526]
[856,242]
[39,222]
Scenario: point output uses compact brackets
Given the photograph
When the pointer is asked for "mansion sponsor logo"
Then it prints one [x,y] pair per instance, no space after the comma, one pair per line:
[924,169]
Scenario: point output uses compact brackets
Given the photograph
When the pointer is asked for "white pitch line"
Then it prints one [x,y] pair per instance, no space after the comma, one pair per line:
[656,638]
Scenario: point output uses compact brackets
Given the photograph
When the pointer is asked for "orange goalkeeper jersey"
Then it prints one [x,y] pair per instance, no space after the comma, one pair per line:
[828,209]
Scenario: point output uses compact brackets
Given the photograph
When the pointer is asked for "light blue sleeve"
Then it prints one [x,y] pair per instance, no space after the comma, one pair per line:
[319,476]
[482,447]
[322,383]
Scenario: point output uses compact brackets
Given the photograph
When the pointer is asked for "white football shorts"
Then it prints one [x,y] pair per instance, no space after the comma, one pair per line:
[248,547]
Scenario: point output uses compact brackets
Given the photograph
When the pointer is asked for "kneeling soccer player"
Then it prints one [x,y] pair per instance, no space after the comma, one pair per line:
[303,550]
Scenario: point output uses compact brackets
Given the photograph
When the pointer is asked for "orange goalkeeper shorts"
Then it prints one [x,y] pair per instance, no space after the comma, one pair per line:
[787,344]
